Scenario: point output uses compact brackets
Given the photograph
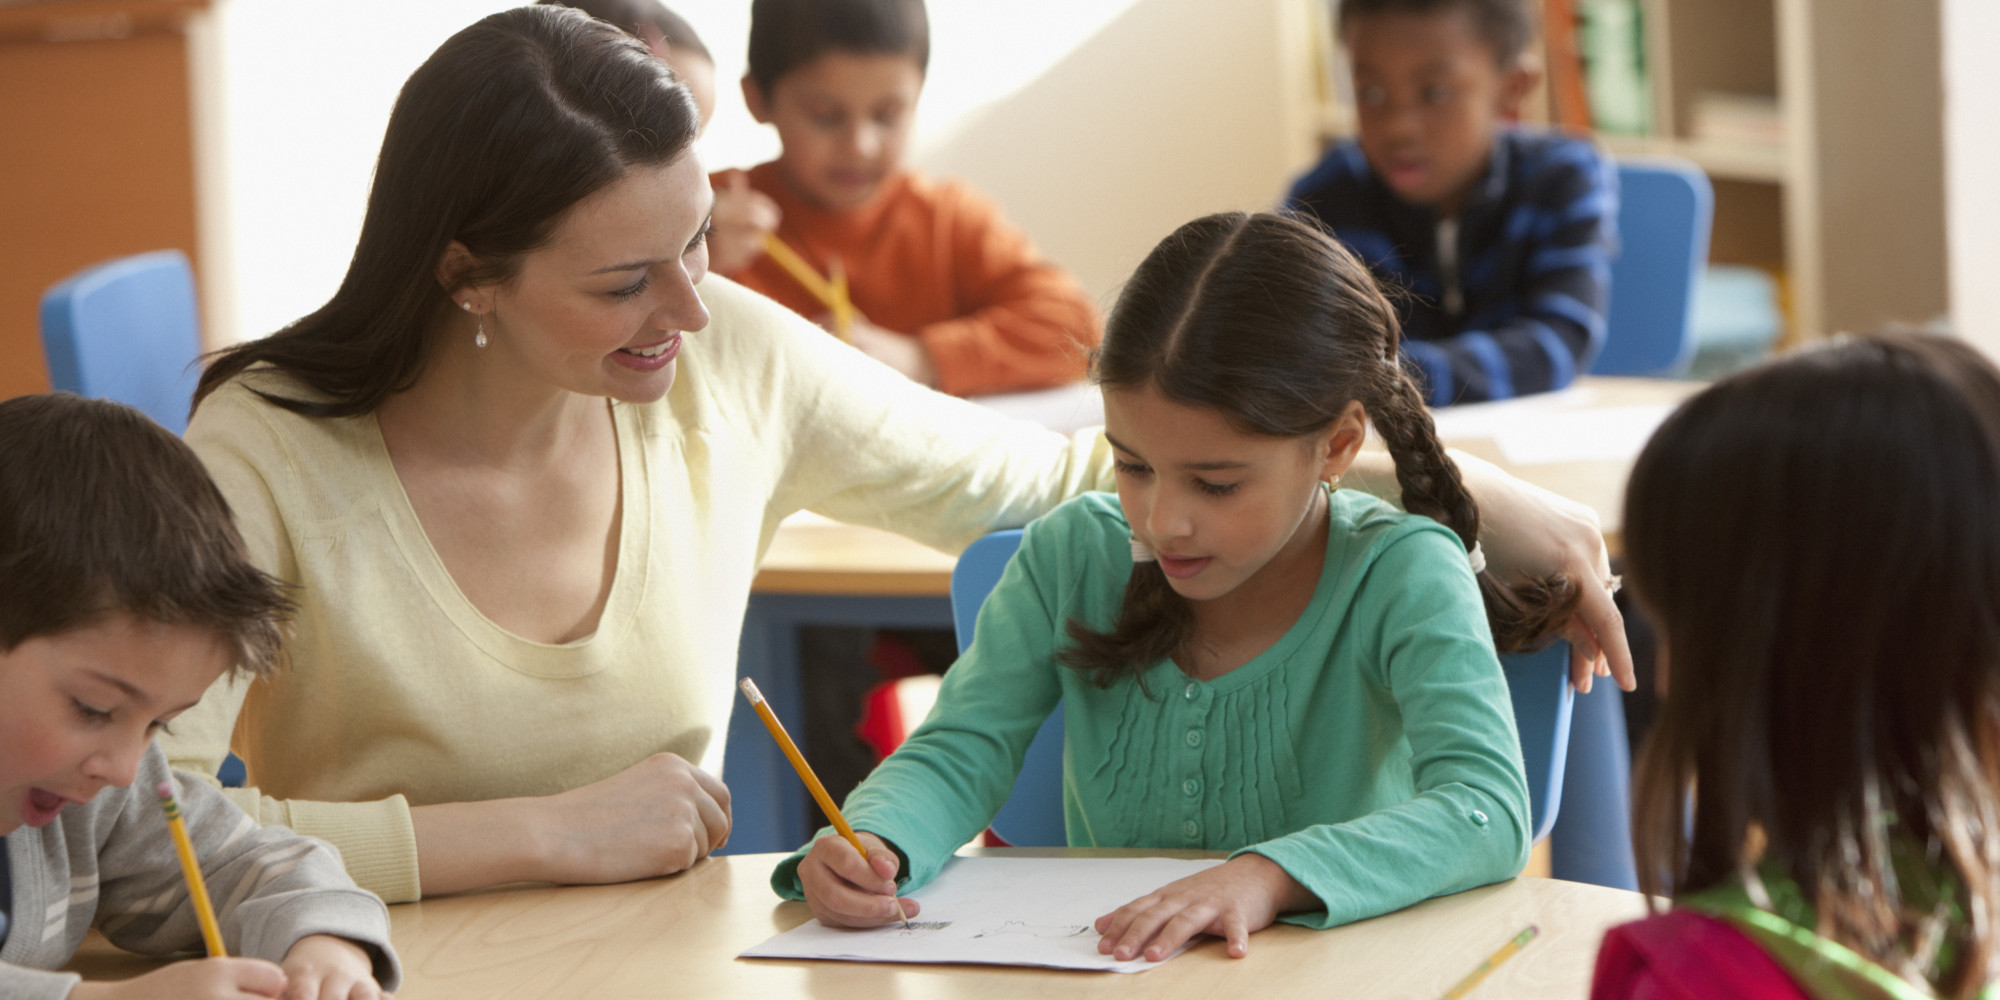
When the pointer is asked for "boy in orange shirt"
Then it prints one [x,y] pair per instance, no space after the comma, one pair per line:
[948,293]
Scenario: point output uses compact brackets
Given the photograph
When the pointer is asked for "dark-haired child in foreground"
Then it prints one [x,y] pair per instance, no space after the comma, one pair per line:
[949,293]
[1251,659]
[124,593]
[1818,543]
[1503,236]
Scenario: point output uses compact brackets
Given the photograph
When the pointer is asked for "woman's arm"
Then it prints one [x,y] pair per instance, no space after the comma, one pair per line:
[1529,531]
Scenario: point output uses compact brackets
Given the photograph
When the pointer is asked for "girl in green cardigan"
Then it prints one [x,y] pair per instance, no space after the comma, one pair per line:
[1252,659]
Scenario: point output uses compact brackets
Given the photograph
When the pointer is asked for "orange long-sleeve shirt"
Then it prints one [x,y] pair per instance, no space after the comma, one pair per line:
[935,260]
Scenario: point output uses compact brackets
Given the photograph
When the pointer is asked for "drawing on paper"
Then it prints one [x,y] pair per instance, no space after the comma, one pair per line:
[918,928]
[1023,928]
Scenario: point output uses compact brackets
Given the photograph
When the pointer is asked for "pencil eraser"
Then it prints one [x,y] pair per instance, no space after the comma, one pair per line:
[166,789]
[750,689]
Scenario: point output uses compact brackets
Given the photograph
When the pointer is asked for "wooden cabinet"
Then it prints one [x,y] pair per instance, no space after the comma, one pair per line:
[96,151]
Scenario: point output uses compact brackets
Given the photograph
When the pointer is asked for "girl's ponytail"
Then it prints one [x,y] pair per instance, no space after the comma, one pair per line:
[1522,615]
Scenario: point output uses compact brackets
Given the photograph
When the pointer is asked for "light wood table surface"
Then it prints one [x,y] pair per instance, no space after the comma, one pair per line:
[679,937]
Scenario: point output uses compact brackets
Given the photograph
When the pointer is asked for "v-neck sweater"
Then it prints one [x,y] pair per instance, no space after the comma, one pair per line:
[399,692]
[1370,752]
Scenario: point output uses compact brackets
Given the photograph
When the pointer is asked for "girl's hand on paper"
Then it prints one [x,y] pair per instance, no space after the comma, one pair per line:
[845,890]
[323,967]
[1231,901]
[195,979]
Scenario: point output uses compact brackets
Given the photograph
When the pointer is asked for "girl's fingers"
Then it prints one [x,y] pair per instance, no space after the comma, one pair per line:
[1143,928]
[1176,932]
[1236,932]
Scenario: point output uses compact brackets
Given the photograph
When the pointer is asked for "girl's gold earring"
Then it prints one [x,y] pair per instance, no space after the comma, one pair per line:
[1333,484]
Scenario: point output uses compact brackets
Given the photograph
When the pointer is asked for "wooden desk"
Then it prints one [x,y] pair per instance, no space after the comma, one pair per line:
[679,936]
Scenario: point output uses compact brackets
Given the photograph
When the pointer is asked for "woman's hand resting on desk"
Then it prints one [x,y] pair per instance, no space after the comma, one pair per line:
[656,817]
[1232,901]
[845,890]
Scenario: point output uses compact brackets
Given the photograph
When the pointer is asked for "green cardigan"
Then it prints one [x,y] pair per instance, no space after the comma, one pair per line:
[1370,752]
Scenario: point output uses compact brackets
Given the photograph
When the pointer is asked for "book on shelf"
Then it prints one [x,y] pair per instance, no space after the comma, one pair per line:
[1613,40]
[1736,119]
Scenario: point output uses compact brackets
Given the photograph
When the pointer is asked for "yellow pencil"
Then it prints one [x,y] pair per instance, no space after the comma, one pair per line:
[805,771]
[1506,952]
[843,307]
[797,267]
[211,932]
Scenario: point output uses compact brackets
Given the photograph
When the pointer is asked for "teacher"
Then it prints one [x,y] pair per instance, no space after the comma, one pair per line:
[520,470]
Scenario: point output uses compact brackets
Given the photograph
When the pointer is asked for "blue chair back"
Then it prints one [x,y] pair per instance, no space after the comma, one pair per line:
[1033,815]
[1665,207]
[126,330]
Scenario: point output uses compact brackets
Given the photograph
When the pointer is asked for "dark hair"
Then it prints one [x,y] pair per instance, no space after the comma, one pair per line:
[787,34]
[1818,541]
[1269,321]
[104,511]
[506,126]
[1508,26]
[631,15]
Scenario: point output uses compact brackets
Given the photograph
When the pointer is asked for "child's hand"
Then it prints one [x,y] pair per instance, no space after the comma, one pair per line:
[742,218]
[323,967]
[1231,901]
[905,354]
[195,979]
[846,891]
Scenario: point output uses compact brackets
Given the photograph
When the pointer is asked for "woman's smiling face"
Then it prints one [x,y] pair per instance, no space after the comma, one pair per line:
[601,309]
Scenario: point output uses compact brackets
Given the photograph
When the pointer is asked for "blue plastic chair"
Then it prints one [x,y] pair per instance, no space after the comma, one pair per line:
[126,330]
[1033,815]
[1665,208]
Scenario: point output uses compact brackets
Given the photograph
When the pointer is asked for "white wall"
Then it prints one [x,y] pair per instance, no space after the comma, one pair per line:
[1098,124]
[1972,161]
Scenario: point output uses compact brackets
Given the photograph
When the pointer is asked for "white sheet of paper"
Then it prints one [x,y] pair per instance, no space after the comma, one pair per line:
[1612,434]
[1000,911]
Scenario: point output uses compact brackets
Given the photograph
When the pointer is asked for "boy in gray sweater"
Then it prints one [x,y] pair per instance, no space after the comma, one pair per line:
[123,595]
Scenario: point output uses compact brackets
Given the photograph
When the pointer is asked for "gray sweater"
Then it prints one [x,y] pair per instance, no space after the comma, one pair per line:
[110,862]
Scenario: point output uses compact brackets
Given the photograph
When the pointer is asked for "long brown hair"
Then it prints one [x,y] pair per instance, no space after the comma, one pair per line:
[1272,323]
[506,126]
[1818,541]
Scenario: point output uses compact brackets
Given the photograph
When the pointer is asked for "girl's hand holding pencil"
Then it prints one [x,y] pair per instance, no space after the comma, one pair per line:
[845,890]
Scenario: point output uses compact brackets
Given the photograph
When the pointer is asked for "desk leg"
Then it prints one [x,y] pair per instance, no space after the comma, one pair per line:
[768,804]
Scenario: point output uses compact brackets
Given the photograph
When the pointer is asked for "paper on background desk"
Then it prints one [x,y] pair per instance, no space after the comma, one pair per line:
[1000,911]
[1555,428]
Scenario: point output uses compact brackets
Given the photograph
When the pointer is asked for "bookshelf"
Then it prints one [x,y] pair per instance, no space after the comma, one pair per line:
[1820,123]
[1840,190]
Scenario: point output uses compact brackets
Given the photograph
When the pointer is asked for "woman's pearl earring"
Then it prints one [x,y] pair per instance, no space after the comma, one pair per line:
[479,334]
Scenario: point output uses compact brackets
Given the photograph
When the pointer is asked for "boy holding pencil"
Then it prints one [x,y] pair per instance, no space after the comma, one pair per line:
[124,594]
[925,276]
